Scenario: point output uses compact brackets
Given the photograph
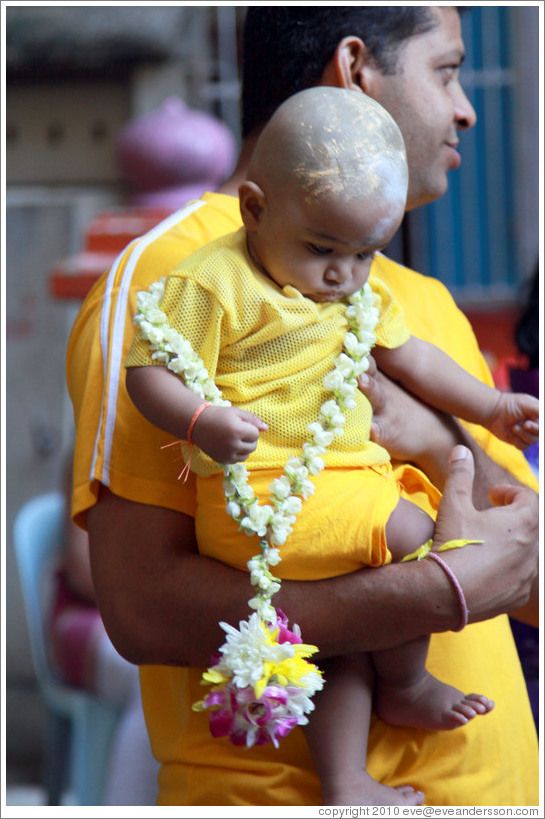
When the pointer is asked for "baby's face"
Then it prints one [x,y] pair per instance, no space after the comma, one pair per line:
[323,248]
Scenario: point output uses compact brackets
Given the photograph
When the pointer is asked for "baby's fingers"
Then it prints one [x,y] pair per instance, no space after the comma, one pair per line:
[527,433]
[253,420]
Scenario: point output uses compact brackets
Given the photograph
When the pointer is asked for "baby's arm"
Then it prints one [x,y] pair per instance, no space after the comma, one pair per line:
[432,375]
[226,434]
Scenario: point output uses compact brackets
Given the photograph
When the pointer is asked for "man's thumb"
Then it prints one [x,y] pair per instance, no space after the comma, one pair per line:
[461,471]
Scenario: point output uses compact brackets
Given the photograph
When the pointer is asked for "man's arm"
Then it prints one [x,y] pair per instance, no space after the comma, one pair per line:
[161,602]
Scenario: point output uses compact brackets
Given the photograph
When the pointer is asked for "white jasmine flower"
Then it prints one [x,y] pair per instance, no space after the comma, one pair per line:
[290,506]
[280,529]
[333,418]
[315,466]
[160,355]
[306,489]
[311,450]
[321,437]
[345,365]
[257,519]
[353,347]
[233,509]
[263,608]
[153,334]
[272,556]
[280,488]
[293,464]
[328,409]
[333,381]
[297,474]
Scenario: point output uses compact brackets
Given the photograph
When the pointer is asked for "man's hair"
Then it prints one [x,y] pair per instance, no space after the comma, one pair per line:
[286,48]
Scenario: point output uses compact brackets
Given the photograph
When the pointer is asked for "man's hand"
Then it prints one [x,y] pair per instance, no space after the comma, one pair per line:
[411,430]
[228,435]
[498,575]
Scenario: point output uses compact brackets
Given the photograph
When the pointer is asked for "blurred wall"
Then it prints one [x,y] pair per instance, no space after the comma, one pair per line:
[74,77]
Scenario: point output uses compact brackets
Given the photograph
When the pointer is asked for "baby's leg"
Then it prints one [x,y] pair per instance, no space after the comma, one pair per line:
[405,693]
[338,732]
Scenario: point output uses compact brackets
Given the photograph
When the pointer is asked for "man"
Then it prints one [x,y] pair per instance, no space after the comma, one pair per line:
[161,601]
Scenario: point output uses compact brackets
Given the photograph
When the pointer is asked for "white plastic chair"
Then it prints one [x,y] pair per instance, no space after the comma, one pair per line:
[80,727]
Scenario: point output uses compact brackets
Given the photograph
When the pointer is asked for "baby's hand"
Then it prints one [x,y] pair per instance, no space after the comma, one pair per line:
[227,434]
[516,419]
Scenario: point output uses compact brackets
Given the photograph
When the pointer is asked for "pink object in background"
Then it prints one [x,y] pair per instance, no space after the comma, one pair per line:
[173,155]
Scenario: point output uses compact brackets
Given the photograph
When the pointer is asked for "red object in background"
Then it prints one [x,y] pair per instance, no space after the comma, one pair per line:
[495,333]
[166,158]
[107,235]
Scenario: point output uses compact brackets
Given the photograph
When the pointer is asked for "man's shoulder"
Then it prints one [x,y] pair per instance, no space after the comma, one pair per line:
[403,279]
[162,249]
[186,231]
[430,310]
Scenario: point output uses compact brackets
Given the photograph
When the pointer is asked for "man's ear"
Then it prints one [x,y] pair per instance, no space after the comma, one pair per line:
[252,204]
[350,67]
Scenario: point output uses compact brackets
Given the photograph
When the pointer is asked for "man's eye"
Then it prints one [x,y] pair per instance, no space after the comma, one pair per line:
[318,250]
[448,73]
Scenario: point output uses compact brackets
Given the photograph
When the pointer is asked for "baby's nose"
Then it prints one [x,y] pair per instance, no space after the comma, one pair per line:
[338,272]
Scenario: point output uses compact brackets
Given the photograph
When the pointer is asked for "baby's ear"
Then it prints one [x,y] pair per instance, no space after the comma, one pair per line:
[252,204]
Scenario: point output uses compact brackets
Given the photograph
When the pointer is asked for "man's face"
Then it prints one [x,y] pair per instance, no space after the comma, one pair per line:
[425,98]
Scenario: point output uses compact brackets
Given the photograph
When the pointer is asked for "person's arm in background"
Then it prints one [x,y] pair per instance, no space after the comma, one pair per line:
[161,602]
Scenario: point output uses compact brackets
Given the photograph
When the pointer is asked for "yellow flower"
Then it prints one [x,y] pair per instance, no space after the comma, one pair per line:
[290,670]
[214,677]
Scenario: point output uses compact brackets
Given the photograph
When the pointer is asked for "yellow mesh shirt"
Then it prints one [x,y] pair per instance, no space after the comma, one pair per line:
[268,350]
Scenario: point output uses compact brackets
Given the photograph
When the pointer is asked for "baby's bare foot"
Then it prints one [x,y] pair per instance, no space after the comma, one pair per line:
[428,703]
[359,788]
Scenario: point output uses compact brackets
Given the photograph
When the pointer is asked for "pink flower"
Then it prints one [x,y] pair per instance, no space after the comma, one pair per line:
[248,721]
[284,634]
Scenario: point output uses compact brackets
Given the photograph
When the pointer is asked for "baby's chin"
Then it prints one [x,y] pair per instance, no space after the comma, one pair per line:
[324,298]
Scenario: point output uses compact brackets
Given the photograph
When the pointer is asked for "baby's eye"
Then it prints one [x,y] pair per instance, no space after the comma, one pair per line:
[364,256]
[318,250]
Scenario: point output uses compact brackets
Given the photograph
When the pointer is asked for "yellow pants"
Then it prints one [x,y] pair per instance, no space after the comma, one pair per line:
[339,529]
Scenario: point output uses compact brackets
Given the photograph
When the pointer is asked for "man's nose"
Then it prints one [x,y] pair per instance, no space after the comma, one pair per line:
[465,114]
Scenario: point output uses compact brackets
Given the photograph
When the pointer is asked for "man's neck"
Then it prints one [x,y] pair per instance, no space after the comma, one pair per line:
[230,186]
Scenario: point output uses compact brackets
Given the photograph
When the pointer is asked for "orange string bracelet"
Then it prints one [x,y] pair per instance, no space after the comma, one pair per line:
[185,471]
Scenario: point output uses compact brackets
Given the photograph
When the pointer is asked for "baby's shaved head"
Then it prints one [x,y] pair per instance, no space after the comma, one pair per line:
[331,141]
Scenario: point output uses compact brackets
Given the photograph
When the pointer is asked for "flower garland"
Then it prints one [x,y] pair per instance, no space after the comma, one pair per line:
[262,681]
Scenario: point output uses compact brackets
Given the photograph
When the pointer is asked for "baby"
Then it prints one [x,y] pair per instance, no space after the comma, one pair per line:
[265,308]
